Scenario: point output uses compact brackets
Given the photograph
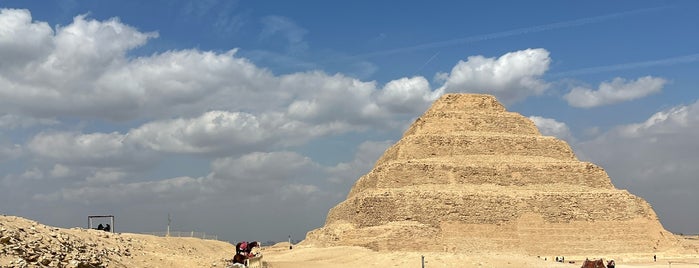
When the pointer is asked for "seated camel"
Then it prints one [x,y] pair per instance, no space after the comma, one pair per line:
[593,264]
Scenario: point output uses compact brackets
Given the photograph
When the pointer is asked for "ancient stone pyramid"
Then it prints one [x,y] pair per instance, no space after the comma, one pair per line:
[468,176]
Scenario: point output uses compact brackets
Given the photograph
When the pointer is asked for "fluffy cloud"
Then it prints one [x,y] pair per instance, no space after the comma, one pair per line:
[21,40]
[85,73]
[93,150]
[262,174]
[258,166]
[180,188]
[227,132]
[89,47]
[551,127]
[511,77]
[60,75]
[655,159]
[241,179]
[618,90]
[407,95]
[212,131]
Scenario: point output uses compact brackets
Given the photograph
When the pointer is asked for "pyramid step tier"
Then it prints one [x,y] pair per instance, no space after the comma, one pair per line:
[528,234]
[440,122]
[515,171]
[489,204]
[418,147]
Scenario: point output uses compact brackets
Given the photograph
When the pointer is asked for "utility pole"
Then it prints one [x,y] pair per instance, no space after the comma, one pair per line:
[168,225]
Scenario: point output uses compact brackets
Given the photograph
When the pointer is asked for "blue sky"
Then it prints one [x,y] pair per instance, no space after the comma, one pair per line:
[250,119]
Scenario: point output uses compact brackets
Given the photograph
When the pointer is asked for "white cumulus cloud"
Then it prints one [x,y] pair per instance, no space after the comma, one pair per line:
[616,91]
[229,132]
[407,95]
[551,127]
[93,150]
[512,77]
[58,74]
[84,72]
[21,40]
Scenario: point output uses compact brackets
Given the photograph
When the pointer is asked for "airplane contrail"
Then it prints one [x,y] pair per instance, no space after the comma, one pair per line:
[520,31]
[428,61]
[632,65]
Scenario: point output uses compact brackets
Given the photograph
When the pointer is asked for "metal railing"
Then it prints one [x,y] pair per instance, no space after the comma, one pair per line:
[202,235]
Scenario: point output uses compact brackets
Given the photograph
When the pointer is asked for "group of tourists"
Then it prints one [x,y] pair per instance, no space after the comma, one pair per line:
[105,228]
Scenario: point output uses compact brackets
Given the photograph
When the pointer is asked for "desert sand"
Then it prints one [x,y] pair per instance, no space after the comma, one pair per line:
[347,256]
[26,243]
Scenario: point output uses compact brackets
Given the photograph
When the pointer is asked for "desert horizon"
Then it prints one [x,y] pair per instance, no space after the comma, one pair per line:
[40,246]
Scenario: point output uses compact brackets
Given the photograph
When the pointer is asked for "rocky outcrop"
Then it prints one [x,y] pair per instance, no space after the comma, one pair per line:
[26,243]
[37,245]
[468,176]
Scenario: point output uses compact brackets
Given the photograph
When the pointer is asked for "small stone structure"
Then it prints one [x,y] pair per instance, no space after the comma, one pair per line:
[469,176]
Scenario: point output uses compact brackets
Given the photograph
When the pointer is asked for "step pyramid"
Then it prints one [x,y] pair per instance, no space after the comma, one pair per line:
[469,176]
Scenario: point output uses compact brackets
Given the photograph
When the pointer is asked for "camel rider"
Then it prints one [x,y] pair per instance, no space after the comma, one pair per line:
[241,248]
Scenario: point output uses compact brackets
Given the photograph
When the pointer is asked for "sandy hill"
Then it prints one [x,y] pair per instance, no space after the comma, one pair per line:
[26,243]
[469,176]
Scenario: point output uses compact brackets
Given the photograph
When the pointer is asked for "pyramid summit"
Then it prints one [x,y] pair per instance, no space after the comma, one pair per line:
[469,176]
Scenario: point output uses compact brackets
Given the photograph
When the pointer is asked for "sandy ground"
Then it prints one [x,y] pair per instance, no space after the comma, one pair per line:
[137,250]
[279,256]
